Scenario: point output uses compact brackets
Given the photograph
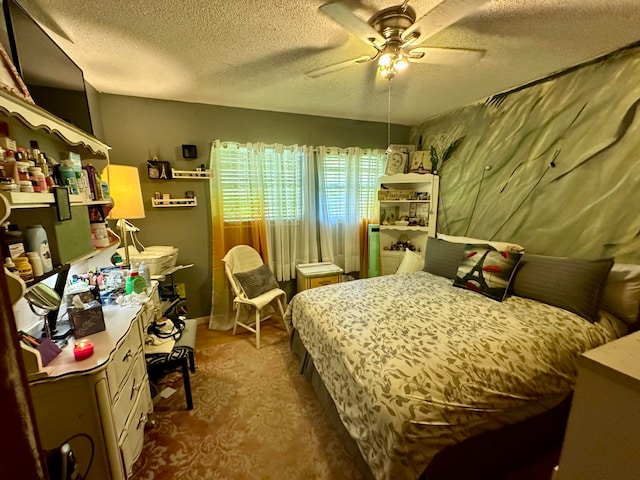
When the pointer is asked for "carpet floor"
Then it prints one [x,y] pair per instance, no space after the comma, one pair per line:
[254,417]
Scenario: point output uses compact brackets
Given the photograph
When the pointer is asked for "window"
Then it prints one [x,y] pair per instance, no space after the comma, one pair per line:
[344,167]
[250,173]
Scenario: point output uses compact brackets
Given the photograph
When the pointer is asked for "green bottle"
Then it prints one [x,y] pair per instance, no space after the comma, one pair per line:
[135,283]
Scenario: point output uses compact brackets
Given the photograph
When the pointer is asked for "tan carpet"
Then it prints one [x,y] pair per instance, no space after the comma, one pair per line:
[254,417]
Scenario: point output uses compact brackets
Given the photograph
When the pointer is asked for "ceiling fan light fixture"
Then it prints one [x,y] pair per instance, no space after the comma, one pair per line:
[387,72]
[390,63]
[386,60]
[401,63]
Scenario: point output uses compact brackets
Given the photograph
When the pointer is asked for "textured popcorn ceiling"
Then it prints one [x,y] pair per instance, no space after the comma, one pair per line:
[253,54]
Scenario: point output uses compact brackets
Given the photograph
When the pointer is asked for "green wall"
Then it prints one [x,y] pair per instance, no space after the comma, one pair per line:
[139,128]
[554,167]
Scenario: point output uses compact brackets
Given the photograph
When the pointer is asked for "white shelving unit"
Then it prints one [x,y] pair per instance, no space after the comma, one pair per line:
[408,210]
[190,174]
[174,202]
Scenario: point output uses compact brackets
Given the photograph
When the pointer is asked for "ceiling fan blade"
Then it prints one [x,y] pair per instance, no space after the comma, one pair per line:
[344,16]
[439,18]
[338,66]
[445,56]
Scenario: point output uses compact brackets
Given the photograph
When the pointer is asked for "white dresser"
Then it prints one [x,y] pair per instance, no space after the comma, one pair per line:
[603,431]
[105,397]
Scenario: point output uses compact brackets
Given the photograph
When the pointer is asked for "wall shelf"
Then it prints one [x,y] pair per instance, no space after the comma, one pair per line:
[190,174]
[174,202]
[35,200]
[37,118]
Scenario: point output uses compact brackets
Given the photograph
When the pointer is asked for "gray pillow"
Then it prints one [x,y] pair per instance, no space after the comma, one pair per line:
[572,284]
[256,282]
[442,258]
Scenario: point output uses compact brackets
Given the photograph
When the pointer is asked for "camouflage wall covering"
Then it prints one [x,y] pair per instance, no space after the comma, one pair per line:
[554,167]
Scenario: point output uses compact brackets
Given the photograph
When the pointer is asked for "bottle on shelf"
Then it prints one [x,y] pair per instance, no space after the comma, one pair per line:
[9,265]
[38,180]
[68,176]
[23,268]
[36,263]
[94,188]
[99,233]
[12,241]
[37,241]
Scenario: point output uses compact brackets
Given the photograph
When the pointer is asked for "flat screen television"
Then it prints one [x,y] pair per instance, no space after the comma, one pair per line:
[54,80]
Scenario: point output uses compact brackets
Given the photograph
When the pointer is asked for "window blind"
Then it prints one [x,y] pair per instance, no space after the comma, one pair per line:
[255,185]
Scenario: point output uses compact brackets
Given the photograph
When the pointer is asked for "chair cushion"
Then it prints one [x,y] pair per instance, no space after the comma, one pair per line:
[257,281]
[163,359]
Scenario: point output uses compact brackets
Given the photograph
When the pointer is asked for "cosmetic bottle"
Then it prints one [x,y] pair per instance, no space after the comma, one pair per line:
[37,241]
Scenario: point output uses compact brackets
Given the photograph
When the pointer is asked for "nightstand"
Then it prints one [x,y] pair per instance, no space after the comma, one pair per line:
[312,275]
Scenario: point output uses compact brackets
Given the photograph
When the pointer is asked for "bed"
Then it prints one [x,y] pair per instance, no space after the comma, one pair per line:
[415,366]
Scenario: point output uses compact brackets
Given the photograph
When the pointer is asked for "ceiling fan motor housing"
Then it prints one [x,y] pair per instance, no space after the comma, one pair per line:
[393,21]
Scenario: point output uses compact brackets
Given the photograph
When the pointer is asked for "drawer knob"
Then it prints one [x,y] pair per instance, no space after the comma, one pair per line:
[134,389]
[142,420]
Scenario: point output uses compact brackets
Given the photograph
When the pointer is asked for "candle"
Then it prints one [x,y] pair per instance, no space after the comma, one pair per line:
[82,349]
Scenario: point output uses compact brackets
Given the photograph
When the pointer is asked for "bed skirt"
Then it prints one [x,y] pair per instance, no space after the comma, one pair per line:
[489,455]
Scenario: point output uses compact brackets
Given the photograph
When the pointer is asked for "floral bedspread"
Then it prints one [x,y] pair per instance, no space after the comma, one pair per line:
[414,364]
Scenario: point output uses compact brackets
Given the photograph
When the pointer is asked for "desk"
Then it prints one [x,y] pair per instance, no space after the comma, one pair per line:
[105,397]
[312,275]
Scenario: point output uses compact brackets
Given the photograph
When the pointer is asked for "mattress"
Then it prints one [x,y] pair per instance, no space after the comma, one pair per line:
[415,365]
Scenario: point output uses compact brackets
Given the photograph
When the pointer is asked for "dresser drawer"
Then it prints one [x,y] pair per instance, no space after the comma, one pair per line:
[322,281]
[123,360]
[133,435]
[128,394]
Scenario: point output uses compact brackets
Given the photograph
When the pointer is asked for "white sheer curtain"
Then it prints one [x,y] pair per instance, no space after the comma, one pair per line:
[347,183]
[273,184]
[290,207]
[298,203]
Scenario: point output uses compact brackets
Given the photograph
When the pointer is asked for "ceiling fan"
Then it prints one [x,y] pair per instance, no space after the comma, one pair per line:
[396,35]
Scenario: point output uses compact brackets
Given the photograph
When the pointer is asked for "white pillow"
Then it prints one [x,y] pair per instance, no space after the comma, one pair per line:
[621,293]
[411,262]
[500,246]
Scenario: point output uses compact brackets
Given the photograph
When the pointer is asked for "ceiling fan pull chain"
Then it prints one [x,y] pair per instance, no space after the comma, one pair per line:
[389,117]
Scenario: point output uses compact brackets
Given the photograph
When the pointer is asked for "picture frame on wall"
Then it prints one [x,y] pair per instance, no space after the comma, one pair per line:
[10,79]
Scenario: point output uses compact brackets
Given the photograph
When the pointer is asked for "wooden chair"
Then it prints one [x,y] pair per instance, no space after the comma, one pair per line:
[243,258]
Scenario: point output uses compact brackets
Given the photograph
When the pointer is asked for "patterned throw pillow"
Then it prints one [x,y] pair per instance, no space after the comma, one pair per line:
[486,270]
[256,282]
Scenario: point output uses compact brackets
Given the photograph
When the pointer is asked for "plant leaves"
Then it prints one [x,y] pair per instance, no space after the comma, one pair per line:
[451,148]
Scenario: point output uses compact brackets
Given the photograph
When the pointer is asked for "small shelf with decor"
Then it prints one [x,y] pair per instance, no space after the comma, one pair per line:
[190,174]
[174,202]
[408,210]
